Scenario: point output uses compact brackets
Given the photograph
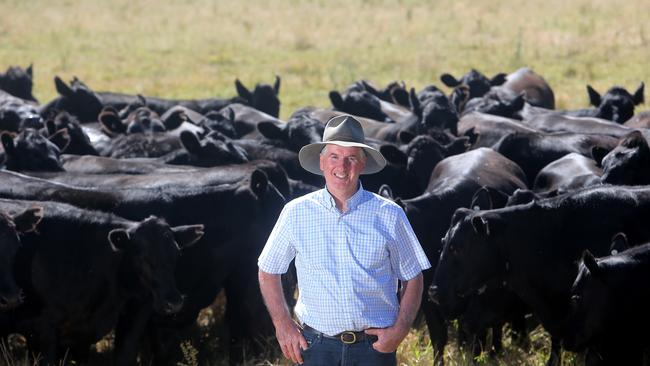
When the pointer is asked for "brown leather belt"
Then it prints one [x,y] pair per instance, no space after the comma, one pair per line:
[347,337]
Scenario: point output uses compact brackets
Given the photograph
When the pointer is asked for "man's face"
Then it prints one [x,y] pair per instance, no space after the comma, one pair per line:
[341,168]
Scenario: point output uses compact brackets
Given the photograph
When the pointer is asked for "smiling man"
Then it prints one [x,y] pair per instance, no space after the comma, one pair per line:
[351,248]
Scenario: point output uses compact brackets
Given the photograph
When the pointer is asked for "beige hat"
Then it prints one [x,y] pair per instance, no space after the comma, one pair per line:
[344,131]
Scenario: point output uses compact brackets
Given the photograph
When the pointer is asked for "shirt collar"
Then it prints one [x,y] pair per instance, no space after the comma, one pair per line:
[327,200]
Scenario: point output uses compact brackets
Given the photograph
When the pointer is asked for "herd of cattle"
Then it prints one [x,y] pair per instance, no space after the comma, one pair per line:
[130,213]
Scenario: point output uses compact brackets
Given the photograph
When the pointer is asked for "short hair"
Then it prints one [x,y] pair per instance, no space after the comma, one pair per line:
[365,154]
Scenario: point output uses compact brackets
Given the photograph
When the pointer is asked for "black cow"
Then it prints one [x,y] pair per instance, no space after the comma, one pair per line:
[82,269]
[32,151]
[616,105]
[141,120]
[536,90]
[263,98]
[11,226]
[224,258]
[452,185]
[629,162]
[569,173]
[17,114]
[485,130]
[477,83]
[516,245]
[79,143]
[18,82]
[609,302]
[533,151]
[300,130]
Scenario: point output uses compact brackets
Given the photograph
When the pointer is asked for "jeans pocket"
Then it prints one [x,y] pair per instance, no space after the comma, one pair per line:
[311,340]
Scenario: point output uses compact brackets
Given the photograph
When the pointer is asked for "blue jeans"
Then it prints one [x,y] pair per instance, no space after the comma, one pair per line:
[322,351]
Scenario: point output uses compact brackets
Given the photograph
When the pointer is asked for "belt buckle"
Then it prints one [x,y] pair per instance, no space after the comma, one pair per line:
[348,337]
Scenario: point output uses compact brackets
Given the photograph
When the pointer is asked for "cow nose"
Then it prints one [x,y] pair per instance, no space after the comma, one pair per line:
[433,294]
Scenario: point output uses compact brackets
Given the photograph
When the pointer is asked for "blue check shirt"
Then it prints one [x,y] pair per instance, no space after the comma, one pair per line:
[347,263]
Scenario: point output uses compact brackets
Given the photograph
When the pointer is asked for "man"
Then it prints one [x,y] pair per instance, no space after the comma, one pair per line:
[351,247]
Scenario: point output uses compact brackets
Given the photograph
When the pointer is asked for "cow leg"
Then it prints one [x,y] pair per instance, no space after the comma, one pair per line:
[129,332]
[497,340]
[437,327]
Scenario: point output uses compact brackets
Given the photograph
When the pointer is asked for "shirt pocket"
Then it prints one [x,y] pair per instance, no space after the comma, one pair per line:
[369,250]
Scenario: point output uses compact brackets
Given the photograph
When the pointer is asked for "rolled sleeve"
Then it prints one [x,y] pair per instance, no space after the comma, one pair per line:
[279,250]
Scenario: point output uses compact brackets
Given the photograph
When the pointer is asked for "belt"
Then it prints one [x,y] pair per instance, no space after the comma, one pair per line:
[347,337]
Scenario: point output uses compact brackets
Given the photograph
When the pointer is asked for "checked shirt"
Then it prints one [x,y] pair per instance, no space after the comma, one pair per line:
[348,264]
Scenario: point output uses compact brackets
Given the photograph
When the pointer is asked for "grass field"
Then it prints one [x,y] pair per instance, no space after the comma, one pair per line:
[196,49]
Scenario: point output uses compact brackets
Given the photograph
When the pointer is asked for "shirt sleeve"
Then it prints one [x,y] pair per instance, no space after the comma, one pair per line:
[406,254]
[279,250]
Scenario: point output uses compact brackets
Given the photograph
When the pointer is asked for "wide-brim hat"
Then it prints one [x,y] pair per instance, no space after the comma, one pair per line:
[343,130]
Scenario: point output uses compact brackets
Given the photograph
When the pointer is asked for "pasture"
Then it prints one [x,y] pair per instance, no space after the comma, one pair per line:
[197,48]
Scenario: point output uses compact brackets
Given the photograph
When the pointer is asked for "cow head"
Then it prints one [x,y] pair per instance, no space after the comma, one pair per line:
[18,82]
[627,163]
[296,133]
[10,228]
[214,150]
[16,114]
[358,103]
[468,262]
[591,301]
[79,141]
[78,100]
[617,104]
[498,103]
[32,151]
[477,83]
[151,249]
[263,98]
[222,122]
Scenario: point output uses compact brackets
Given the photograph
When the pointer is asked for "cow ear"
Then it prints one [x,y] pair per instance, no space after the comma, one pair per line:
[458,146]
[416,107]
[231,115]
[594,96]
[401,97]
[50,126]
[259,182]
[472,135]
[185,236]
[518,103]
[28,220]
[191,142]
[405,136]
[111,122]
[276,85]
[271,131]
[8,142]
[638,95]
[62,88]
[619,243]
[119,239]
[480,225]
[635,139]
[61,139]
[30,71]
[393,155]
[498,79]
[459,97]
[242,91]
[598,153]
[174,120]
[385,191]
[590,262]
[336,100]
[449,80]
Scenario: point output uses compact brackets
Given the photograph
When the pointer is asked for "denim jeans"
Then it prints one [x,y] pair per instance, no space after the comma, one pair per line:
[322,351]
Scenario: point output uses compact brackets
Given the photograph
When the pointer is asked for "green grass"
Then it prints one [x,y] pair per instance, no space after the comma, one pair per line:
[196,49]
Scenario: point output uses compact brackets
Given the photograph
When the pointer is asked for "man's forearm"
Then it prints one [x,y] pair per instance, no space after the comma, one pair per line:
[410,302]
[271,288]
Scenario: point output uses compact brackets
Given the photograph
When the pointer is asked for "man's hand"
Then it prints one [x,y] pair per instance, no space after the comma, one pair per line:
[388,339]
[291,341]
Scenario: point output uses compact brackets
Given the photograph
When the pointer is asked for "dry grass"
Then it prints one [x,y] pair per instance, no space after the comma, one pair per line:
[196,48]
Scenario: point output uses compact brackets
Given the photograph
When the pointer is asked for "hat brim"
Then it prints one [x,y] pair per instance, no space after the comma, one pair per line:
[309,156]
